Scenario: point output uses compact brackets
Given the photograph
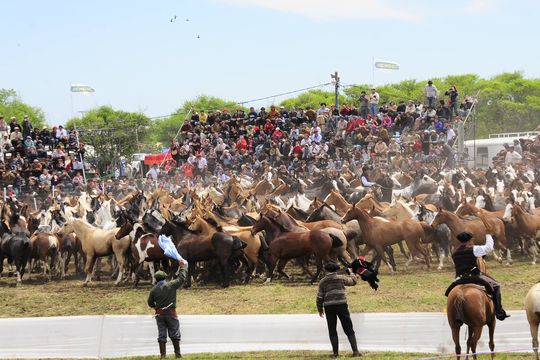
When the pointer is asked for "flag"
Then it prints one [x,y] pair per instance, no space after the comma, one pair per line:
[387,65]
[82,89]
[166,244]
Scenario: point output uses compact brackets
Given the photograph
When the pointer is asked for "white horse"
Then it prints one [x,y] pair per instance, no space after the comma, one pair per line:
[532,308]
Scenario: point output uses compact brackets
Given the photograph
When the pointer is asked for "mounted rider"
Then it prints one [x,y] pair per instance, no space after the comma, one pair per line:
[466,258]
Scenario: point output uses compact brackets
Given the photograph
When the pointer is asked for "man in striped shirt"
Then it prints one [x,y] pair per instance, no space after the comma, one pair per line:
[332,300]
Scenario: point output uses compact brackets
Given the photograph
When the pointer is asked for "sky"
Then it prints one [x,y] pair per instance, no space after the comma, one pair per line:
[138,60]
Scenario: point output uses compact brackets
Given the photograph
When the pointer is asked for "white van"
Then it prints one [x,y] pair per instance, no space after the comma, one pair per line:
[487,149]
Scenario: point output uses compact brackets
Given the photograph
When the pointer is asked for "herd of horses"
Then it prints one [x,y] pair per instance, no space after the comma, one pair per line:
[244,227]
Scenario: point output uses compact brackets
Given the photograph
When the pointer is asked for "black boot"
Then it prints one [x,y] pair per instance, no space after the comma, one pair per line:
[335,345]
[176,344]
[163,349]
[354,346]
[500,314]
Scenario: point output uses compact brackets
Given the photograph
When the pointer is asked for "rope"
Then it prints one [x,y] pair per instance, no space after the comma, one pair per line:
[285,93]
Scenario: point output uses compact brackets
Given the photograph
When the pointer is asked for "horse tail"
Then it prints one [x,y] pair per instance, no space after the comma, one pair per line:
[459,301]
[336,241]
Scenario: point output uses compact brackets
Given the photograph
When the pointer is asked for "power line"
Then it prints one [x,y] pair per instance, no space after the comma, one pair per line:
[285,93]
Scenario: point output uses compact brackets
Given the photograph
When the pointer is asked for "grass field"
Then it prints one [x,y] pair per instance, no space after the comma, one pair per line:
[278,355]
[409,290]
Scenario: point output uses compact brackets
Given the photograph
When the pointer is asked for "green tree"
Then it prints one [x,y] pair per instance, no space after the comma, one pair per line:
[11,105]
[312,99]
[112,134]
[163,130]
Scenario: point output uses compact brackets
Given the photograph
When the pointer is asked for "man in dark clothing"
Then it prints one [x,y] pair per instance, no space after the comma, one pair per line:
[465,262]
[332,300]
[162,298]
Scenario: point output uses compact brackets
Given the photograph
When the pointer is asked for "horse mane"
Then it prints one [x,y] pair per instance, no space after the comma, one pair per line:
[213,223]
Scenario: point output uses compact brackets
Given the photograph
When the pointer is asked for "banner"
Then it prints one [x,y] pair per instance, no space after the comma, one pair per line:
[387,65]
[82,89]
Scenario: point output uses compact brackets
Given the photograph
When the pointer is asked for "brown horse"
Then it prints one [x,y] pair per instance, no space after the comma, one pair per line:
[379,233]
[469,304]
[336,200]
[209,225]
[476,227]
[195,247]
[285,245]
[45,246]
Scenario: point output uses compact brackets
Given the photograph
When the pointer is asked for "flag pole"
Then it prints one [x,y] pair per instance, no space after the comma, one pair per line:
[373,71]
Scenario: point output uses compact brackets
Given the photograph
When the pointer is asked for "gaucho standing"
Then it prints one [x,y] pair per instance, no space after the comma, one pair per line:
[162,298]
[332,300]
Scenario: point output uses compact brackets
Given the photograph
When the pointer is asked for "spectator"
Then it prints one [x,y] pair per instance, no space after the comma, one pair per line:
[27,127]
[431,93]
[452,94]
[374,102]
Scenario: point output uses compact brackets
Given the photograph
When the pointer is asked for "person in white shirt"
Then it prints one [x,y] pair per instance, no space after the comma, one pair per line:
[431,93]
[323,109]
[374,102]
[450,135]
[152,173]
[512,157]
[465,262]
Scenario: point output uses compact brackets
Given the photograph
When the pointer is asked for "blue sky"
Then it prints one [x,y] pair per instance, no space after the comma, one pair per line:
[137,60]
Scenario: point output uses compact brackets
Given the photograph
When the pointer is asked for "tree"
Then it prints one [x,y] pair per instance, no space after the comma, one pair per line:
[112,133]
[11,105]
[163,130]
[312,99]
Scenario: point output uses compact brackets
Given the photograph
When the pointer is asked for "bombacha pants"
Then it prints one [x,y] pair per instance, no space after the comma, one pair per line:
[168,324]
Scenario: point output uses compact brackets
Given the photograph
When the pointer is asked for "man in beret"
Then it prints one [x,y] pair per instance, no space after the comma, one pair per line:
[465,262]
[162,298]
[332,300]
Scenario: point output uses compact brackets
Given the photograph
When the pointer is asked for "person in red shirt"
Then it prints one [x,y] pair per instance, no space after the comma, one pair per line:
[268,127]
[187,169]
[277,134]
[241,144]
[274,113]
[297,149]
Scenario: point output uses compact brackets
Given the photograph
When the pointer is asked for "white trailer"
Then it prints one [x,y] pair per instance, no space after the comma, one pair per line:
[487,149]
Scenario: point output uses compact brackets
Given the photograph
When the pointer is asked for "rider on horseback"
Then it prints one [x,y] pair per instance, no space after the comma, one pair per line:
[465,262]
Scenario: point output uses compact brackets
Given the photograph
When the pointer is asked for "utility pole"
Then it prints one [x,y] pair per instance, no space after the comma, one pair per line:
[335,78]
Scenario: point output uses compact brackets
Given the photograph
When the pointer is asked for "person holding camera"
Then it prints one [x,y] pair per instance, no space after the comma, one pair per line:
[452,94]
[332,301]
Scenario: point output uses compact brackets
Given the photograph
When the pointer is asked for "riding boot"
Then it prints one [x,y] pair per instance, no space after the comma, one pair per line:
[163,349]
[176,344]
[334,340]
[500,314]
[354,346]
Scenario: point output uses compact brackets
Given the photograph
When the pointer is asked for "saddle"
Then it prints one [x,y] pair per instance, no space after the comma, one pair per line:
[471,279]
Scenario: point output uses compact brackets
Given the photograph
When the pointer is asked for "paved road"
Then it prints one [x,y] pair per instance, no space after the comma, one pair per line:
[116,336]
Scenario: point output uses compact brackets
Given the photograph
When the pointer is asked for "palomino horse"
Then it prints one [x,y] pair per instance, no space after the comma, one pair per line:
[378,233]
[470,305]
[476,227]
[532,307]
[97,243]
[336,200]
[286,245]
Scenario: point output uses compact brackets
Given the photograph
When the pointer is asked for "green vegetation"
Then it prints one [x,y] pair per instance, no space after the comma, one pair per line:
[112,133]
[12,105]
[507,102]
[415,289]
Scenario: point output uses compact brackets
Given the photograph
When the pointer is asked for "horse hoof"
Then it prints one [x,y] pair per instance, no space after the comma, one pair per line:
[85,284]
[267,281]
[439,267]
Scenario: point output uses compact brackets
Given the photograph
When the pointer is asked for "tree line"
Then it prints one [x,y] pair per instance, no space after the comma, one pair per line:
[507,102]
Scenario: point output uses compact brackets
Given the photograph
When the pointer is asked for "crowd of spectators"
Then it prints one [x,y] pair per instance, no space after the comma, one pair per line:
[33,158]
[404,135]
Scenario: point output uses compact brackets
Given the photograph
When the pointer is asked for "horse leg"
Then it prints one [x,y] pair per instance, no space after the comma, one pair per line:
[271,264]
[318,272]
[380,252]
[281,266]
[402,249]
[121,261]
[474,336]
[533,326]
[226,271]
[455,337]
[89,268]
[491,327]
[152,271]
